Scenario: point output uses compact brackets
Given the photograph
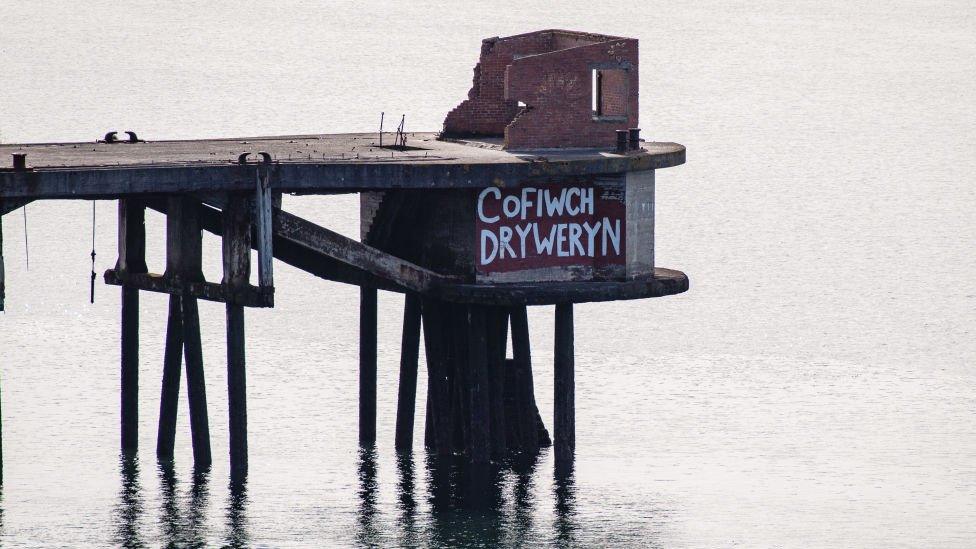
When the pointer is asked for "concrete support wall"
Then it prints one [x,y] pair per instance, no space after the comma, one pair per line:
[640,224]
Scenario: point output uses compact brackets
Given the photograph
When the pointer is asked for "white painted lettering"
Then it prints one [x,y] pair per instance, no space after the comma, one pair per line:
[523,232]
[561,240]
[504,239]
[488,236]
[569,207]
[544,246]
[591,233]
[613,234]
[511,206]
[575,232]
[481,203]
[526,203]
[586,201]
[554,206]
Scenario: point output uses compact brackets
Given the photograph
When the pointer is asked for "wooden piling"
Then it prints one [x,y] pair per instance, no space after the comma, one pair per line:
[438,389]
[3,277]
[132,259]
[184,225]
[497,347]
[236,392]
[527,428]
[367,366]
[263,203]
[2,295]
[195,387]
[173,353]
[409,356]
[564,388]
[237,270]
[428,420]
[459,374]
[170,393]
[479,438]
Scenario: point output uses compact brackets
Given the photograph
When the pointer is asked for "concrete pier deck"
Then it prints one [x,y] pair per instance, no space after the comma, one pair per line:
[306,164]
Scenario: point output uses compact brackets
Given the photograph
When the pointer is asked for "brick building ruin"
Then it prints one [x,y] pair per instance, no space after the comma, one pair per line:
[551,89]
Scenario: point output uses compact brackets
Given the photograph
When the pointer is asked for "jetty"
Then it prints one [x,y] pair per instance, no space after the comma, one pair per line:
[539,190]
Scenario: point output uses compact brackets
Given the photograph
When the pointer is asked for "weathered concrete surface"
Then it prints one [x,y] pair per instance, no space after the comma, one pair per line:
[319,164]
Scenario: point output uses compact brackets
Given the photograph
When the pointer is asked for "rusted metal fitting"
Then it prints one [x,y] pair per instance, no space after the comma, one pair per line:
[265,157]
[634,139]
[621,141]
[113,137]
[20,161]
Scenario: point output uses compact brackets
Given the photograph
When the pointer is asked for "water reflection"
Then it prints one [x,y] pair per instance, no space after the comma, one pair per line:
[407,520]
[183,527]
[368,533]
[128,510]
[238,533]
[468,505]
[564,488]
[523,501]
[183,513]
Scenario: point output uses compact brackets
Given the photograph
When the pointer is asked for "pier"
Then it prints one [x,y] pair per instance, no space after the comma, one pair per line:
[538,191]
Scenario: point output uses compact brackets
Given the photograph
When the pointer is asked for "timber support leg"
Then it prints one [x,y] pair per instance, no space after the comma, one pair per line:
[564,388]
[479,439]
[170,394]
[236,392]
[132,259]
[497,340]
[196,389]
[1,309]
[409,356]
[184,260]
[438,385]
[525,407]
[3,276]
[237,270]
[367,366]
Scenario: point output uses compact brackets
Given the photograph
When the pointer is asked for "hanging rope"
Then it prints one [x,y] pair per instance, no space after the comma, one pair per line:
[93,255]
[26,249]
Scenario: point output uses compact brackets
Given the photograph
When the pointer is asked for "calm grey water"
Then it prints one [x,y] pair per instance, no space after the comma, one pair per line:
[815,388]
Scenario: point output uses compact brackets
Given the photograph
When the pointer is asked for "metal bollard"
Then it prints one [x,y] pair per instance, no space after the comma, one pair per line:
[621,141]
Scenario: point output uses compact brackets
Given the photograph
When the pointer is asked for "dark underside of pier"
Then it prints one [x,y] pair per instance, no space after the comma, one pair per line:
[481,403]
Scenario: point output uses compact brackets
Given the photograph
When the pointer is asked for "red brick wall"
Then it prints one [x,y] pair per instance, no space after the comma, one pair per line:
[615,92]
[551,72]
[486,111]
[557,89]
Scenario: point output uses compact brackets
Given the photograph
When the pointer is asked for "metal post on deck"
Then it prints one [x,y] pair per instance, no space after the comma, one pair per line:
[564,387]
[367,366]
[132,259]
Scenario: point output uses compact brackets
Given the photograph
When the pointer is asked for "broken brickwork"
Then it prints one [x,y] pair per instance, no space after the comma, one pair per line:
[576,90]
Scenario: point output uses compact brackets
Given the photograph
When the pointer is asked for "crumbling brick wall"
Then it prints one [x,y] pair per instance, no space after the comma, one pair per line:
[557,89]
[486,112]
[551,72]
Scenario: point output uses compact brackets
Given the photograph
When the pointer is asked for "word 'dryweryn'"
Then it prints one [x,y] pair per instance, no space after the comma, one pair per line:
[536,227]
